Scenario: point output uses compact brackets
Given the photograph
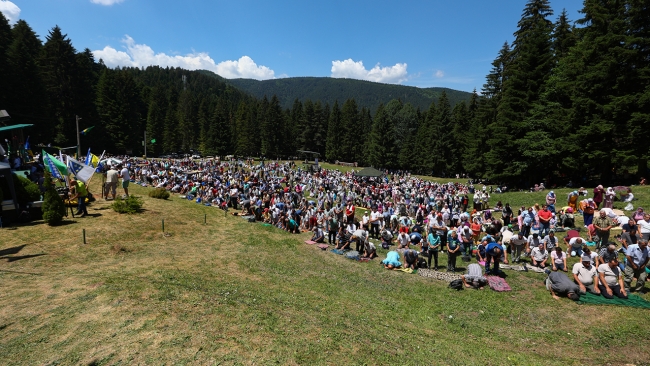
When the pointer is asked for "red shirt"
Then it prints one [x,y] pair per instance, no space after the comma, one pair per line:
[545,215]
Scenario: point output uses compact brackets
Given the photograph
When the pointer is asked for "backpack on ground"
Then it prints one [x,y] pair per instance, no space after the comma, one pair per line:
[422,263]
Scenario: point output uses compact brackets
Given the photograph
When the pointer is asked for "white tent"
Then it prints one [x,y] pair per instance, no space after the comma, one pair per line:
[111,161]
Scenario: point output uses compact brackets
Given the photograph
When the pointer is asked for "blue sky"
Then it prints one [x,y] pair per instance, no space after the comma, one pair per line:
[419,43]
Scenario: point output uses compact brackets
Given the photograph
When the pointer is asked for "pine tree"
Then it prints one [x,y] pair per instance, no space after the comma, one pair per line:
[598,68]
[59,69]
[380,151]
[563,36]
[524,76]
[27,102]
[5,71]
[333,147]
[487,154]
[350,130]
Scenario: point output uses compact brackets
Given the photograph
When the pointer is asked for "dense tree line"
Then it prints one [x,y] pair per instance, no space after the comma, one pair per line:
[563,101]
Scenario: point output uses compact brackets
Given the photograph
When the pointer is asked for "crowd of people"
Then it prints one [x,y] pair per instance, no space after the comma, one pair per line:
[419,220]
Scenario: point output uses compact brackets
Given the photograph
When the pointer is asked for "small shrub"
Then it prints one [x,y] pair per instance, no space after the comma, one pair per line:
[160,193]
[53,206]
[130,205]
[26,190]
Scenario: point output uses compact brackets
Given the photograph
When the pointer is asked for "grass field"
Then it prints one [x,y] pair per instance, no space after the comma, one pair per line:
[230,292]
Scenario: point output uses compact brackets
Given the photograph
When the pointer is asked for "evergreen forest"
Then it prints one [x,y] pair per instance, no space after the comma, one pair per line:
[566,100]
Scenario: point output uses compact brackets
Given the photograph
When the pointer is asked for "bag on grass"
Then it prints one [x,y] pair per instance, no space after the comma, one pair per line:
[456,285]
[422,263]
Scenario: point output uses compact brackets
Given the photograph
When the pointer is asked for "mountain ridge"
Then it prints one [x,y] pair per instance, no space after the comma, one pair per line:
[367,94]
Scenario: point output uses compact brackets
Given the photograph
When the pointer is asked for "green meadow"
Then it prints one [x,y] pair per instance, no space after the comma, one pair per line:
[215,289]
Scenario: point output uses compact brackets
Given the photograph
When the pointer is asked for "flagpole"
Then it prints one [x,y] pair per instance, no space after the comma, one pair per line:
[78,138]
[91,177]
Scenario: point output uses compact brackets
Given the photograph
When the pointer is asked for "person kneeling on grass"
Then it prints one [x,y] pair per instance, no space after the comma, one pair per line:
[474,277]
[585,276]
[319,235]
[344,239]
[539,256]
[611,281]
[411,258]
[369,250]
[559,260]
[559,284]
[392,260]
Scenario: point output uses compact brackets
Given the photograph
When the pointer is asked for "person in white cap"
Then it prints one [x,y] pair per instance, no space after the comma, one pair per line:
[586,276]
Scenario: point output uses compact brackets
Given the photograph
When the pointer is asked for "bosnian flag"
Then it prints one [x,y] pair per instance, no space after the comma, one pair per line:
[82,171]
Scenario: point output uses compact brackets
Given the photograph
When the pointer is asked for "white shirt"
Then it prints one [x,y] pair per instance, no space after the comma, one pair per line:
[124,173]
[644,226]
[574,242]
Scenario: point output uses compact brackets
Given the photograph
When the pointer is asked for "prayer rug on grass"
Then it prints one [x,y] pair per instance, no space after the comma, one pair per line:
[323,246]
[633,301]
[437,275]
[498,284]
[338,251]
[310,242]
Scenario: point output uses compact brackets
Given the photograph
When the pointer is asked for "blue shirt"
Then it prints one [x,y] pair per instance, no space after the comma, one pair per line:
[639,257]
[491,247]
[416,238]
[392,257]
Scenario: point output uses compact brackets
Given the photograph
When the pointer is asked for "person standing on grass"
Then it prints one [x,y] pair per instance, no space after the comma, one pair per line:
[349,211]
[611,281]
[603,224]
[432,249]
[126,179]
[545,216]
[79,192]
[588,212]
[453,247]
[375,221]
[637,259]
[599,193]
[111,183]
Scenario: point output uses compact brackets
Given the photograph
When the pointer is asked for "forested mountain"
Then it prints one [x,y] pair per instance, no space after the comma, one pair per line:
[561,102]
[328,90]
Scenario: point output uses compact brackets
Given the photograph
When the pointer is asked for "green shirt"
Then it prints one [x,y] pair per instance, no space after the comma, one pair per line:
[80,189]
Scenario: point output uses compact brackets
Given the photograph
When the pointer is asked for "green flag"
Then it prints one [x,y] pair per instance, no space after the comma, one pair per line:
[56,167]
[85,132]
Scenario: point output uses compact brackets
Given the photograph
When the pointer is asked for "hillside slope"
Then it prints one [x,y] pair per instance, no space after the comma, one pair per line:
[328,90]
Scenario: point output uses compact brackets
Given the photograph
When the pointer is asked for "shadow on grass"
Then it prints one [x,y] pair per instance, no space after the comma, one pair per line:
[66,221]
[12,250]
[21,257]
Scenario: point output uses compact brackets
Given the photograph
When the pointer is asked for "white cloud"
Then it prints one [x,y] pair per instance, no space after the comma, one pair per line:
[10,10]
[106,2]
[141,55]
[355,70]
[440,74]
